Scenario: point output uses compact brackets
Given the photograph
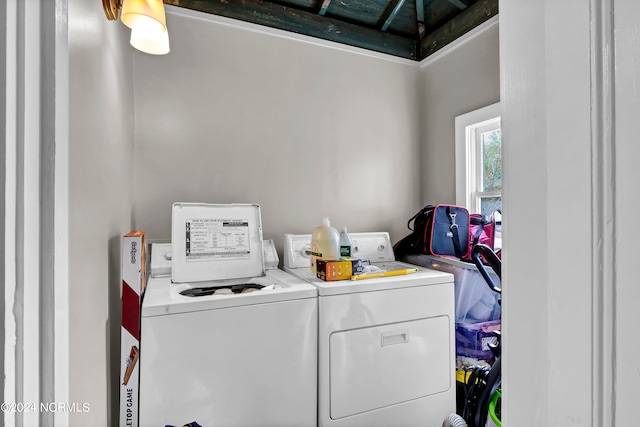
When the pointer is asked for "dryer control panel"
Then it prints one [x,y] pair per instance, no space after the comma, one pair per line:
[374,247]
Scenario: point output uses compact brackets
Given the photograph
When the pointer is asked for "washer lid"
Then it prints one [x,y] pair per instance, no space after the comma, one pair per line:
[162,297]
[215,242]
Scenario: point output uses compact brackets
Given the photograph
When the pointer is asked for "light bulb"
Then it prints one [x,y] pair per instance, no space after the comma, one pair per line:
[150,41]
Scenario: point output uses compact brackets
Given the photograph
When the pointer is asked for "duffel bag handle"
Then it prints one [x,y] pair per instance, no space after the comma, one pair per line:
[454,231]
[420,212]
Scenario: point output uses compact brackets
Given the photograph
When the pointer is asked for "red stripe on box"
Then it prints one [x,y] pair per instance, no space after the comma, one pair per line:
[130,310]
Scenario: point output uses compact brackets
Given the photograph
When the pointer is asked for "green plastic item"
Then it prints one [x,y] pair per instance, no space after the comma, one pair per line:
[495,400]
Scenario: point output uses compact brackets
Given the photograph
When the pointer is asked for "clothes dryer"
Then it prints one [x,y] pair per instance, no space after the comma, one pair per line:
[386,345]
[238,351]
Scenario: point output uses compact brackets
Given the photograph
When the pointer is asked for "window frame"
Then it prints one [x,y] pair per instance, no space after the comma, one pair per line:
[467,127]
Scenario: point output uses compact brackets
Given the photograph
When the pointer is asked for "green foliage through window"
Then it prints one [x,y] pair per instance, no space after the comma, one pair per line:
[491,161]
[491,171]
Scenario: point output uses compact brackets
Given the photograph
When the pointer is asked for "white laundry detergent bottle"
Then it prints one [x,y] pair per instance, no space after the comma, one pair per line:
[325,243]
[346,244]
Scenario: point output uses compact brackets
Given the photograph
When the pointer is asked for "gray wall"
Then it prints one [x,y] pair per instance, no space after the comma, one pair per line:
[100,204]
[232,115]
[455,81]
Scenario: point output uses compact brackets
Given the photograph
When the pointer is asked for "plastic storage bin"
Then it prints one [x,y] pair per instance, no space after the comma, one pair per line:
[475,301]
[473,339]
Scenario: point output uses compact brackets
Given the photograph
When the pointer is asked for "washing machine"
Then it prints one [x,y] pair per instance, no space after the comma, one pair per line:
[237,349]
[386,347]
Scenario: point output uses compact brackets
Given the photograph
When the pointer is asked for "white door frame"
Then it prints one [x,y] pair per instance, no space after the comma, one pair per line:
[568,266]
[34,103]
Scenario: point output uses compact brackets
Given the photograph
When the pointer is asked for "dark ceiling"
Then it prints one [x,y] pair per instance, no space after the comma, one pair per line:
[412,29]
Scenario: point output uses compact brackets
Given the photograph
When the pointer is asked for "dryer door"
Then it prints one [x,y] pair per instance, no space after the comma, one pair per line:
[384,365]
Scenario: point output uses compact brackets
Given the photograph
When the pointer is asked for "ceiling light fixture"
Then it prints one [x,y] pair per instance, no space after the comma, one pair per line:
[147,21]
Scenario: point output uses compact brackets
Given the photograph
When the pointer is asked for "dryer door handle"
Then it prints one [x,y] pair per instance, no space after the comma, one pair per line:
[394,338]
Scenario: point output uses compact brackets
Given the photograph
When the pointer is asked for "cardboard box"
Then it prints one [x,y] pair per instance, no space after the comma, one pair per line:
[134,281]
[338,269]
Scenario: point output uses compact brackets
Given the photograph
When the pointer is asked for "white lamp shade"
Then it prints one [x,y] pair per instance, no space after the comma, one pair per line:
[144,14]
[153,42]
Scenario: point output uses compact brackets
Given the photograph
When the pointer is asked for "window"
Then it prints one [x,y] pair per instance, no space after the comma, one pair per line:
[479,160]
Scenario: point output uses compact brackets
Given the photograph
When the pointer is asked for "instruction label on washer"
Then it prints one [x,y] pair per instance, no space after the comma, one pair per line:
[212,239]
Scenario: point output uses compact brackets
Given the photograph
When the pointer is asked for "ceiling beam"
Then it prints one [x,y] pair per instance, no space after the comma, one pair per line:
[324,7]
[458,4]
[471,17]
[392,15]
[311,24]
[420,18]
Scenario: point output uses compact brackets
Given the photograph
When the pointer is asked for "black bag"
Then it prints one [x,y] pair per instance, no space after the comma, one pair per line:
[437,230]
